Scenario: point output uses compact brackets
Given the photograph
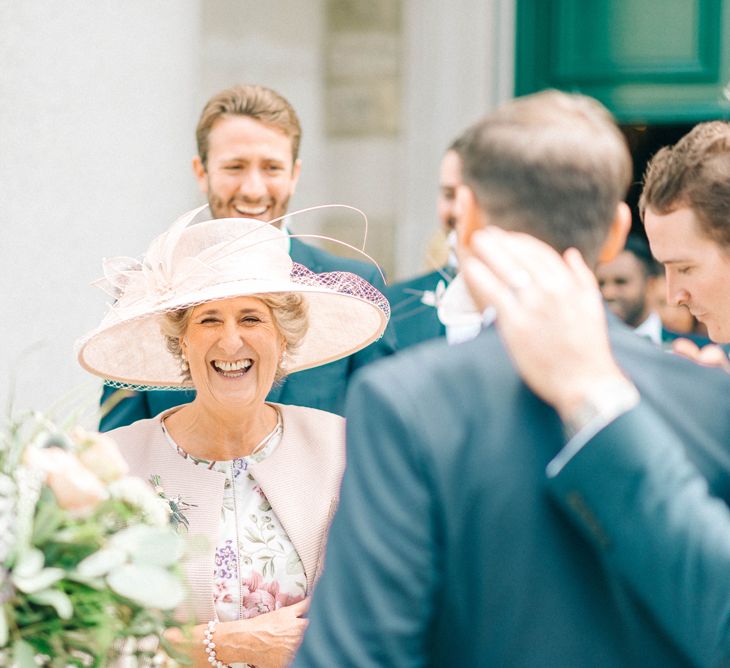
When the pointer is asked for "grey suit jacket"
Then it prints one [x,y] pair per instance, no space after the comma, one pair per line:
[639,498]
[447,549]
[300,479]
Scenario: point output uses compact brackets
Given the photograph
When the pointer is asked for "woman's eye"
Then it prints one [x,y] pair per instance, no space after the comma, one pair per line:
[250,319]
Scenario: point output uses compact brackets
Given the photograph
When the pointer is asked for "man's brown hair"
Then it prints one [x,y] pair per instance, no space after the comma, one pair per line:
[552,164]
[694,173]
[258,102]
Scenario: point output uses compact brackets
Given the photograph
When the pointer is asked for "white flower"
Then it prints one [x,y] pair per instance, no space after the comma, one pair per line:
[76,488]
[100,454]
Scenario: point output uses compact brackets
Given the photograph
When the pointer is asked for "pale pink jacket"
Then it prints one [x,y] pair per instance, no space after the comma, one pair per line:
[301,480]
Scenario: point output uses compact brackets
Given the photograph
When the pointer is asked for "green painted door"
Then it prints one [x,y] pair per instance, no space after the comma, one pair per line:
[649,61]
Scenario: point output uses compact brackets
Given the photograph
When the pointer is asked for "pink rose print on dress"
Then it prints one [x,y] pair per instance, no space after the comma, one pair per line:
[221,594]
[262,598]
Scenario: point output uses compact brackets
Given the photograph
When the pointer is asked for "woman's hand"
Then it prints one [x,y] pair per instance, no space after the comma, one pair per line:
[269,640]
[549,313]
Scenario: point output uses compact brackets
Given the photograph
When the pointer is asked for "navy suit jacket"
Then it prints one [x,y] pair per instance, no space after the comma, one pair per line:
[413,320]
[447,550]
[668,536]
[323,387]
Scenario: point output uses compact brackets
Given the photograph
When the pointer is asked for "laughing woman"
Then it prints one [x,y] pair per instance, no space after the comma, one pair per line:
[219,306]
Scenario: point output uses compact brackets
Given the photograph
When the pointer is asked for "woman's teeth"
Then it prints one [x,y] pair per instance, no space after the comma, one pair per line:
[232,366]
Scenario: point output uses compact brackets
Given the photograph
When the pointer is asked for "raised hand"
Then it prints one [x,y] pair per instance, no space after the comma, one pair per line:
[549,313]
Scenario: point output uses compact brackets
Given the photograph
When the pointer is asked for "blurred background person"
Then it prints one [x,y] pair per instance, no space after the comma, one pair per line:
[414,302]
[627,286]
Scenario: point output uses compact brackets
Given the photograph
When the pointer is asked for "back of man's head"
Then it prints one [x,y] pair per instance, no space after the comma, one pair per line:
[258,102]
[553,165]
[694,173]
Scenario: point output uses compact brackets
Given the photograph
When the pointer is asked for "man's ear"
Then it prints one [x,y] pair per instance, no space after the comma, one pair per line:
[617,233]
[200,174]
[469,215]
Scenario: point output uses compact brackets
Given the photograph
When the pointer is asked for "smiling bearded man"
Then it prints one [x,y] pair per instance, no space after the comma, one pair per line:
[248,166]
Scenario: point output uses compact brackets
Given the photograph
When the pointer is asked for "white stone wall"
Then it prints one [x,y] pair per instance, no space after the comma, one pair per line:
[97,105]
[460,62]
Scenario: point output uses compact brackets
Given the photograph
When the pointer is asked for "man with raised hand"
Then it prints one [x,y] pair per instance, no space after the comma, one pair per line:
[660,505]
[446,549]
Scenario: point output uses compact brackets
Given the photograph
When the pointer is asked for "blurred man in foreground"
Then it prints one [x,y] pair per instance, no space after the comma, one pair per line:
[651,502]
[445,549]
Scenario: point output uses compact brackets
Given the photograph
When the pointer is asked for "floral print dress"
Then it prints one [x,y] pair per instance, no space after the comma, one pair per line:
[256,569]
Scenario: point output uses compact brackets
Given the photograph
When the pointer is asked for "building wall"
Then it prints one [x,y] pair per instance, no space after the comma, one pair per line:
[97,124]
[98,101]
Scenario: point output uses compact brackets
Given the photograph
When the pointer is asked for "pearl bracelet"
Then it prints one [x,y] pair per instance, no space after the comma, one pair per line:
[210,645]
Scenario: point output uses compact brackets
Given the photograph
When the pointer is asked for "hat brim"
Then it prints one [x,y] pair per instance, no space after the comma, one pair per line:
[129,350]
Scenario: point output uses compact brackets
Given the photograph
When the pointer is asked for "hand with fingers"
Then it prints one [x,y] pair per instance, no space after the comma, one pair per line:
[709,355]
[534,289]
[268,640]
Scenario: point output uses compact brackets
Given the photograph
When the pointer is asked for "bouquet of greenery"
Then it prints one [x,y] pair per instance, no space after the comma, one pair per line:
[88,556]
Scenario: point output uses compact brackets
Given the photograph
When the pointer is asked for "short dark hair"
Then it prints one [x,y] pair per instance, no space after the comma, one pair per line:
[639,248]
[552,164]
[694,173]
[258,102]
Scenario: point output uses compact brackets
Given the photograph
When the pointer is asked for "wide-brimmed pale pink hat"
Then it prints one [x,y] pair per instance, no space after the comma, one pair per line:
[220,259]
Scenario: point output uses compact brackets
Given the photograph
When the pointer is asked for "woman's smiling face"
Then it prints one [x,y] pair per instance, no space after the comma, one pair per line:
[233,348]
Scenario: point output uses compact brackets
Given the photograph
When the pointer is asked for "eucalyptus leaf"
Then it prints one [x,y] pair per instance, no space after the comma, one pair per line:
[101,562]
[38,582]
[158,546]
[95,583]
[47,520]
[3,627]
[148,585]
[29,563]
[56,599]
[23,655]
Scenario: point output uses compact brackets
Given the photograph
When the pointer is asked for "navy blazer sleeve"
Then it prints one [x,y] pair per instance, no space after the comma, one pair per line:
[119,412]
[373,603]
[638,497]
